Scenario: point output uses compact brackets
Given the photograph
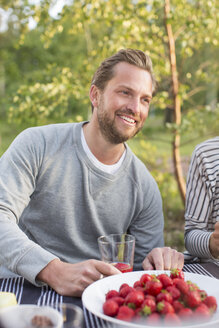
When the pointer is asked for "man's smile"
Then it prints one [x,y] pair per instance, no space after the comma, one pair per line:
[128,119]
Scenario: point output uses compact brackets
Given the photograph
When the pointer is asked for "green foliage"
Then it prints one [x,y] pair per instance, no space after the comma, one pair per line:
[88,31]
[41,102]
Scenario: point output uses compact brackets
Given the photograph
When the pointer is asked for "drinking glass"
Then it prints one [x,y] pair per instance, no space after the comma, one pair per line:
[118,250]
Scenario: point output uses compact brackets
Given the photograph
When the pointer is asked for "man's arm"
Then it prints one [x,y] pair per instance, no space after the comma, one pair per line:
[214,242]
[163,258]
[147,227]
[71,279]
[18,171]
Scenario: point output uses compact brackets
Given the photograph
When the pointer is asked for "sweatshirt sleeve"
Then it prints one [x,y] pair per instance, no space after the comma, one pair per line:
[19,167]
[149,224]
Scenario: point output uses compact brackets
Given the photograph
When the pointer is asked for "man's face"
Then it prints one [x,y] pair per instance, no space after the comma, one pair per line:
[123,106]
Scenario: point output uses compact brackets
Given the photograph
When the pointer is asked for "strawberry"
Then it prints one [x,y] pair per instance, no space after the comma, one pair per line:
[211,303]
[123,267]
[125,313]
[185,314]
[192,285]
[148,306]
[125,291]
[160,301]
[153,319]
[181,285]
[192,298]
[165,280]
[145,278]
[153,287]
[119,300]
[175,280]
[110,308]
[172,320]
[138,315]
[177,305]
[203,294]
[202,312]
[165,307]
[140,288]
[112,293]
[123,285]
[151,297]
[177,273]
[137,284]
[134,299]
[164,295]
[174,292]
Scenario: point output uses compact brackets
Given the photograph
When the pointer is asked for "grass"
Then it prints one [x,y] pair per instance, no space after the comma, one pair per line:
[161,137]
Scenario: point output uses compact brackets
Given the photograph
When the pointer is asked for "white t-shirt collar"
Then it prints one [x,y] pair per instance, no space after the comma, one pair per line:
[104,167]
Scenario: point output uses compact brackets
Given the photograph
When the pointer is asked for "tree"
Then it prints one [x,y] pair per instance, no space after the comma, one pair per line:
[176,100]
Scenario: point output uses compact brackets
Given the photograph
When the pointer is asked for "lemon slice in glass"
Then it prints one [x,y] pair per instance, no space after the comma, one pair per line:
[7,299]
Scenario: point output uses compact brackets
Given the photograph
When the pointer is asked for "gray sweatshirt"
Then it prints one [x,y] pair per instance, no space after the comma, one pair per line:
[54,203]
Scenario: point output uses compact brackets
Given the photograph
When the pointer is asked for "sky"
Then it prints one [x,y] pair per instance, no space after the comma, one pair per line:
[55,9]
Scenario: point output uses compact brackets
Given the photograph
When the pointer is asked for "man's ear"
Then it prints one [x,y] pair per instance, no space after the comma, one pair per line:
[94,95]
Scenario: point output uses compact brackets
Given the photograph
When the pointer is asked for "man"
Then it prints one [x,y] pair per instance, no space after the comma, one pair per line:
[202,203]
[67,184]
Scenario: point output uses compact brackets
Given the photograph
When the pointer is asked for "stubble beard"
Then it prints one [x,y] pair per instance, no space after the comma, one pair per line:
[108,127]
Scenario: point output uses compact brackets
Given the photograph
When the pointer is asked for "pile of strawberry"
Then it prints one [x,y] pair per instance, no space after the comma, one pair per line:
[160,299]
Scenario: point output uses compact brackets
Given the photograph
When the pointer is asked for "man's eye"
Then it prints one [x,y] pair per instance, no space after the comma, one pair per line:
[125,92]
[146,100]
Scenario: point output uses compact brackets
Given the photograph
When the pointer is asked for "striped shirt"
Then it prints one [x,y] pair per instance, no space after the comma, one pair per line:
[202,198]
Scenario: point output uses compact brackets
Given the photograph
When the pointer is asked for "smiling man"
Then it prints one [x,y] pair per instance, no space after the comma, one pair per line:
[64,185]
[121,109]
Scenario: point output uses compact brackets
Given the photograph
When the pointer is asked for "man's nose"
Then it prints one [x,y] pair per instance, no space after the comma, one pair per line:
[134,105]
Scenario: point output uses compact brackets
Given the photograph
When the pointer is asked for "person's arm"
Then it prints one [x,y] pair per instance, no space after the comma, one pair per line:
[163,258]
[147,227]
[71,279]
[18,171]
[214,242]
[198,210]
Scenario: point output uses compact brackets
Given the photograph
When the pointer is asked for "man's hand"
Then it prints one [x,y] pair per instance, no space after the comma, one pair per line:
[214,241]
[71,279]
[164,258]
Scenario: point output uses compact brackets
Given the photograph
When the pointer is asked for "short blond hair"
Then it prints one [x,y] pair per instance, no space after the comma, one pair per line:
[105,71]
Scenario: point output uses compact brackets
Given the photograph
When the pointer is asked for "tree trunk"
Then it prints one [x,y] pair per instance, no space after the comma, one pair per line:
[177,106]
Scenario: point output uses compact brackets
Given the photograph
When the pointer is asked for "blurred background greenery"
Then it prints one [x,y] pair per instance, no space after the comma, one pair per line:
[50,50]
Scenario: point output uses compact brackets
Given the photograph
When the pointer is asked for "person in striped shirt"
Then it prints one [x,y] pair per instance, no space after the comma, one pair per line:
[202,203]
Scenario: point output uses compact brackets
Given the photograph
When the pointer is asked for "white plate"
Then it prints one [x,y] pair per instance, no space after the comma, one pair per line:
[94,296]
[20,316]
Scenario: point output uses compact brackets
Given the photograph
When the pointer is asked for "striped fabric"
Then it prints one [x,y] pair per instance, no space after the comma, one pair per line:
[13,285]
[49,296]
[26,293]
[202,198]
[197,268]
